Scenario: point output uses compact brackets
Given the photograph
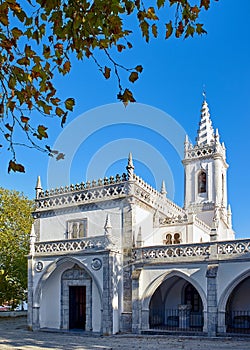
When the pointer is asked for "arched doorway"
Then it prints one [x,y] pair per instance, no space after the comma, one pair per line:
[176,305]
[238,309]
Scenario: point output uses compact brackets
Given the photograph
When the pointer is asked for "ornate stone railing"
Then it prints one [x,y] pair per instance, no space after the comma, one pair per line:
[83,192]
[104,189]
[153,197]
[192,152]
[196,251]
[72,245]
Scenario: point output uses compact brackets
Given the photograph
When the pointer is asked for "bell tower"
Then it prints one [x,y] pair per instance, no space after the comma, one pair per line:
[206,178]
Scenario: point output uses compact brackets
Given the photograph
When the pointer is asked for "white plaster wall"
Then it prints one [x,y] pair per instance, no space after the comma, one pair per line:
[199,235]
[117,292]
[50,302]
[96,309]
[143,220]
[55,227]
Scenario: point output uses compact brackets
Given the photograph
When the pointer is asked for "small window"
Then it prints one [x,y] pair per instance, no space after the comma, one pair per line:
[168,239]
[172,238]
[202,182]
[77,229]
[177,238]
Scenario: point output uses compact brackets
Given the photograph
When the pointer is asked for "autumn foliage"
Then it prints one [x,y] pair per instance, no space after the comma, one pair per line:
[38,38]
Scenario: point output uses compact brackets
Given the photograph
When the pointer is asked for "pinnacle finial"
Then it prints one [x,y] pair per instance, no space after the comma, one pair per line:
[205,134]
[38,187]
[204,93]
[130,167]
[108,226]
[163,188]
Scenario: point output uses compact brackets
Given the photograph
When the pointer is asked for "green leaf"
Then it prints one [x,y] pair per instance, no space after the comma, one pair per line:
[69,104]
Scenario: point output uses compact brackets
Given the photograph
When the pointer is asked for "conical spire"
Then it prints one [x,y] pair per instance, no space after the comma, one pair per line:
[108,226]
[130,167]
[38,187]
[205,132]
[163,188]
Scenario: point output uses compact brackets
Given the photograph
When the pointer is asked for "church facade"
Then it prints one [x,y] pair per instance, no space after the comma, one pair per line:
[116,255]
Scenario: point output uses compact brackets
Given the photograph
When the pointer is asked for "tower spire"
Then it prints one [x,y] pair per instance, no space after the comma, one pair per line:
[205,133]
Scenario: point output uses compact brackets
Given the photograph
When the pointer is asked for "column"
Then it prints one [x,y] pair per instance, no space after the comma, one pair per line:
[136,323]
[212,318]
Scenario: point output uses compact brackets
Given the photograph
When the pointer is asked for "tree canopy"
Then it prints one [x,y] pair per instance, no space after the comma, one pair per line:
[39,37]
[15,226]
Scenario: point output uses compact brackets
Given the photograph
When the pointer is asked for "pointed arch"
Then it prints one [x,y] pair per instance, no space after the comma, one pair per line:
[229,289]
[202,181]
[148,293]
[51,268]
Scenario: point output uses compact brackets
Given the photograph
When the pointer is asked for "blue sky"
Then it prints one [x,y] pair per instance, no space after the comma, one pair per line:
[169,93]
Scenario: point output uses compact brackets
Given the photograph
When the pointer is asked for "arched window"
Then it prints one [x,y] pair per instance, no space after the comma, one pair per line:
[202,182]
[177,238]
[168,239]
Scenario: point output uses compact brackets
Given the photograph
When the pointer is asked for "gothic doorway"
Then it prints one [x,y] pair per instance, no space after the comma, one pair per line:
[76,299]
[77,307]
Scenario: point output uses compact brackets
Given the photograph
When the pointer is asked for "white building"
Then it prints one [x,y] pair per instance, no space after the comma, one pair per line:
[116,255]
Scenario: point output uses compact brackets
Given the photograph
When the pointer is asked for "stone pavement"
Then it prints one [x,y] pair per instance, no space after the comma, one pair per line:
[14,335]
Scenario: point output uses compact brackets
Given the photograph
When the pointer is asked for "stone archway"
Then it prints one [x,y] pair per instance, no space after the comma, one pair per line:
[176,305]
[234,302]
[237,318]
[48,310]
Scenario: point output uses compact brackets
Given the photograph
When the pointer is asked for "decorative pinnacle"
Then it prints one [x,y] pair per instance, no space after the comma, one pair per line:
[130,167]
[206,132]
[204,93]
[163,188]
[108,226]
[38,187]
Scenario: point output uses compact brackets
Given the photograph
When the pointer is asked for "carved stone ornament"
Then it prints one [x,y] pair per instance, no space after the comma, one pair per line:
[39,266]
[96,264]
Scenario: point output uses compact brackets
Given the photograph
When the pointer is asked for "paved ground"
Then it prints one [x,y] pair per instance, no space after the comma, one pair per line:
[14,335]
